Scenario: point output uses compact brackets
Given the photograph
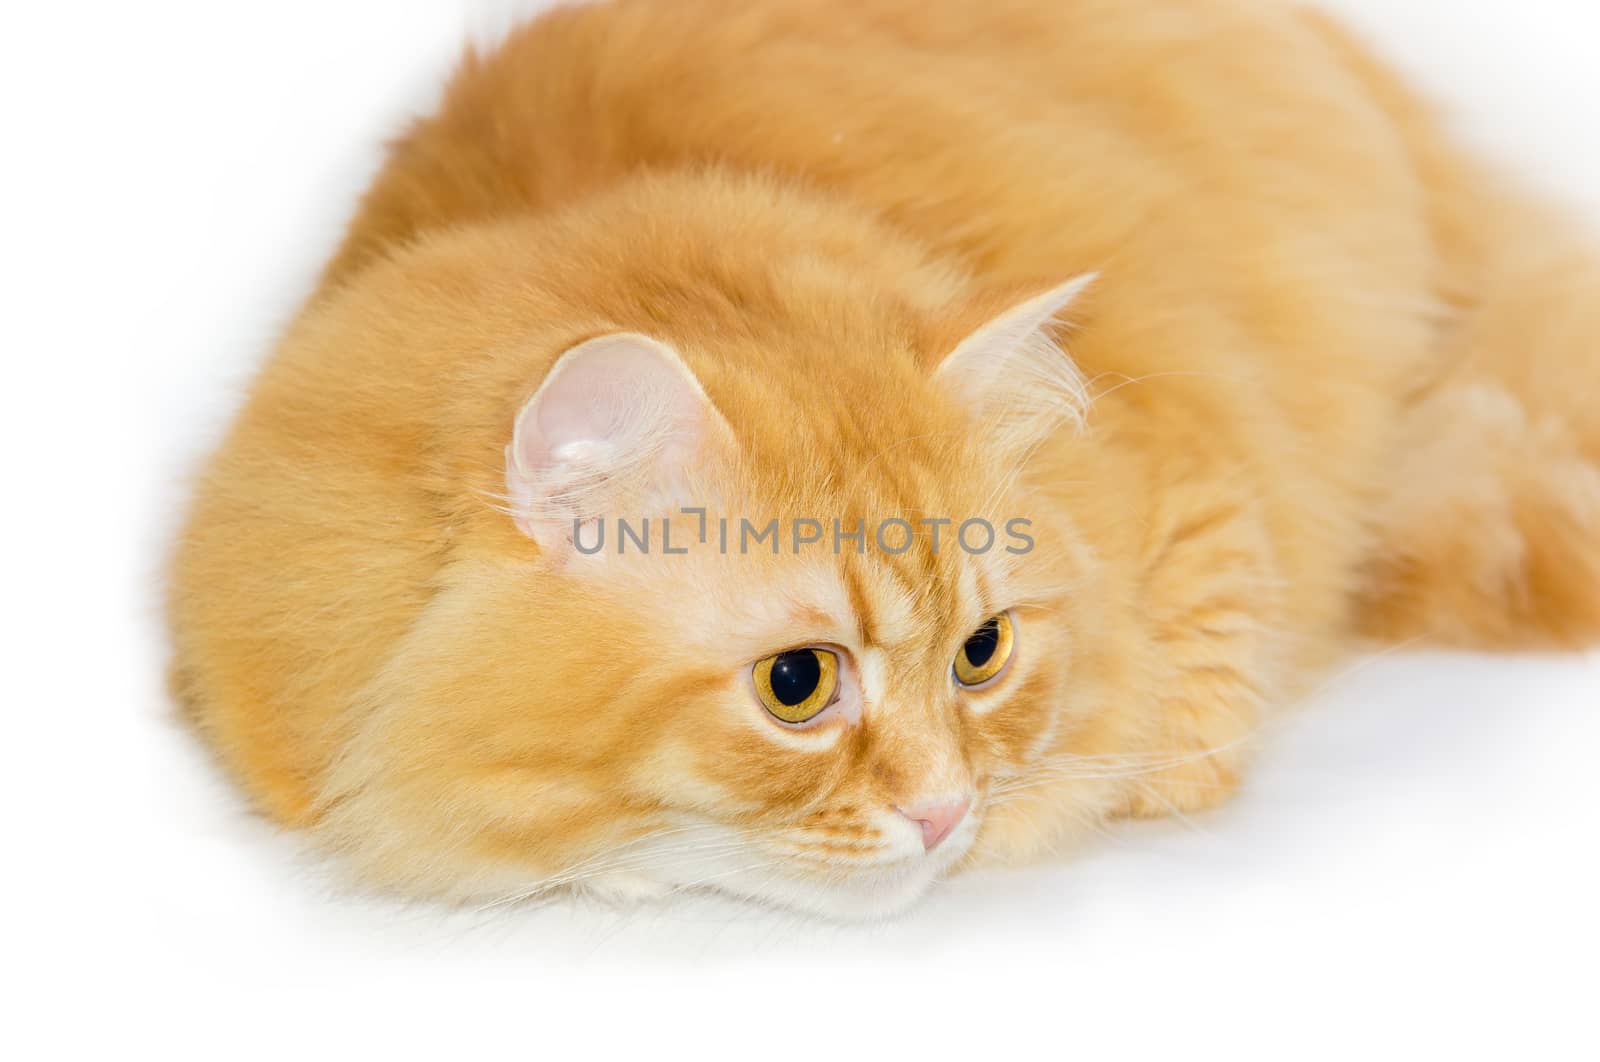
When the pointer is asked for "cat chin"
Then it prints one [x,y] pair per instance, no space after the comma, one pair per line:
[863,897]
[659,872]
[854,895]
[625,889]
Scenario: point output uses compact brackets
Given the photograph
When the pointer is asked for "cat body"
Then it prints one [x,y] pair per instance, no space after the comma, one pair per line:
[1324,385]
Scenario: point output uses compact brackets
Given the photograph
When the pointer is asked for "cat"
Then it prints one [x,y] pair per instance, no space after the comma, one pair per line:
[1187,311]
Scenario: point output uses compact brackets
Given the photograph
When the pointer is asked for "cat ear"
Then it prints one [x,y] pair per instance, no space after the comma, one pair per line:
[618,422]
[1013,376]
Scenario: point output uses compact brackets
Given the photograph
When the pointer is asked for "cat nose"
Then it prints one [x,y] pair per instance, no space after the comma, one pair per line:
[937,819]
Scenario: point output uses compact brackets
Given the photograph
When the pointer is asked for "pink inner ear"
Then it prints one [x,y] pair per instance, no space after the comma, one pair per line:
[618,407]
[1014,378]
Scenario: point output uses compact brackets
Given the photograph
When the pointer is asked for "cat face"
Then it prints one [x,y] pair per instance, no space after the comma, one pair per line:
[783,656]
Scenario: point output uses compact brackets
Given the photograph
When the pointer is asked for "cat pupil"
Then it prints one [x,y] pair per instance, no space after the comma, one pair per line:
[981,646]
[795,676]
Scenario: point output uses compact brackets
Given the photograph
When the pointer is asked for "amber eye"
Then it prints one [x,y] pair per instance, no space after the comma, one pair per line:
[986,652]
[797,685]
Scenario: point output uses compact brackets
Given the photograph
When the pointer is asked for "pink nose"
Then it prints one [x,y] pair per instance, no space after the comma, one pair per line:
[938,821]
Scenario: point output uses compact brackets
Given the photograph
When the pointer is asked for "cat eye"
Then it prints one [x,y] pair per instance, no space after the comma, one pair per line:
[986,652]
[797,685]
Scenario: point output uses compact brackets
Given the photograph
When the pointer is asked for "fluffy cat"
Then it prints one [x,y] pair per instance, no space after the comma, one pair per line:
[1268,370]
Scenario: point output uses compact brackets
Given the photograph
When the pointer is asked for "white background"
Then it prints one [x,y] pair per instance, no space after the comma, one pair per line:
[1412,867]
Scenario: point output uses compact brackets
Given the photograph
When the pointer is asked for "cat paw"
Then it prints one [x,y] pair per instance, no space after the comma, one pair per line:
[1207,727]
[1205,781]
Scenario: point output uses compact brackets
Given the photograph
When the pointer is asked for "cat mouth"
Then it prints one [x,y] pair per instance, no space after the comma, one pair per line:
[857,889]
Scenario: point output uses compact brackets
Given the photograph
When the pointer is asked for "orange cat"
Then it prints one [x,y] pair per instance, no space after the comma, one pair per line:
[773,296]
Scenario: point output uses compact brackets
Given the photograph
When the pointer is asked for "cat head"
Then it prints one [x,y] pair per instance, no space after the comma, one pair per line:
[772,608]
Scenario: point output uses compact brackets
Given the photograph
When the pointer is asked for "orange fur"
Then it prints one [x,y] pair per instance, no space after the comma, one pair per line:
[1339,380]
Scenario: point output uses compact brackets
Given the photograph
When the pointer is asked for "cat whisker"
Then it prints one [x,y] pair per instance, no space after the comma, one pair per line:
[707,879]
[1069,767]
[1171,809]
[1075,768]
[1129,381]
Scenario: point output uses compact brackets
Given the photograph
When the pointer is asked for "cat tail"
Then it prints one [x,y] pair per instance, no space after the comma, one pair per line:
[1490,532]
